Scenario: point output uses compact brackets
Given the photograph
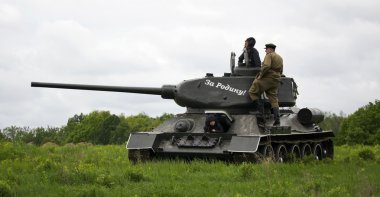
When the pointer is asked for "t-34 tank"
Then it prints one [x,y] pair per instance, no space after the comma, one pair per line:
[241,135]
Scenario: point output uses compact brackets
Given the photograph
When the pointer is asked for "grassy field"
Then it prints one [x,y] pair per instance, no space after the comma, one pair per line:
[86,170]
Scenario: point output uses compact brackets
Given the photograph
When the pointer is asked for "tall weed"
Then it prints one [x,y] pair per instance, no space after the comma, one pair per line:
[5,189]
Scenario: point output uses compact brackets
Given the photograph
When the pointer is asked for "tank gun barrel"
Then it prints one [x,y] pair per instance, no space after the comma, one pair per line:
[166,91]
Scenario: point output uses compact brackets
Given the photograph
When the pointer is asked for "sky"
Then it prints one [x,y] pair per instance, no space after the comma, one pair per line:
[330,47]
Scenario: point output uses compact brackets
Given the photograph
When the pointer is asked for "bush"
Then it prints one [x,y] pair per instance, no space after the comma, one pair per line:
[367,154]
[361,127]
[86,173]
[291,157]
[105,179]
[2,137]
[10,150]
[357,136]
[309,159]
[246,170]
[375,138]
[135,175]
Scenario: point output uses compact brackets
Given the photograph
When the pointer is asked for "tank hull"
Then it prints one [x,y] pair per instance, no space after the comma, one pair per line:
[245,140]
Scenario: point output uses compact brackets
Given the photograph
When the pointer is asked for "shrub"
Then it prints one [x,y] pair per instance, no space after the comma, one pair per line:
[367,154]
[347,159]
[375,138]
[357,136]
[105,179]
[309,159]
[291,157]
[10,150]
[246,170]
[86,173]
[2,137]
[135,174]
[46,164]
[362,126]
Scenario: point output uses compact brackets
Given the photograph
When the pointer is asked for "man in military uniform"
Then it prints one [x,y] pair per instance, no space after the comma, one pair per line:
[250,54]
[268,81]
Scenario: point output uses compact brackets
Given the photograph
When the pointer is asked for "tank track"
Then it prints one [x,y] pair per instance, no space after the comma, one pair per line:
[282,151]
[268,150]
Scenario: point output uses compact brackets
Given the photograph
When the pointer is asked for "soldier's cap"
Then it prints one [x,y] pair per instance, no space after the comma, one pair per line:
[270,45]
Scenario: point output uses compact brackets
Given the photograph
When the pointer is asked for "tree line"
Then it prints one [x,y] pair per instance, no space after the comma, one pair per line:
[97,127]
[102,127]
[361,127]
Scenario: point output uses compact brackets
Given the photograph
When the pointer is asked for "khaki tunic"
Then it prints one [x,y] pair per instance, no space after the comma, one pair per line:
[268,80]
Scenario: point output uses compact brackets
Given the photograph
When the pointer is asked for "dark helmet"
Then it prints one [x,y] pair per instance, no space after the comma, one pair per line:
[251,41]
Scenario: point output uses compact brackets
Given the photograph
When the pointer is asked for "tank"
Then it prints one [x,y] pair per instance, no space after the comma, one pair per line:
[243,135]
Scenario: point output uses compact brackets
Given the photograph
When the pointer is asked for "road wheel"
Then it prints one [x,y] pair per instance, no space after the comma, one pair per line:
[317,152]
[295,153]
[281,153]
[268,153]
[328,149]
[306,150]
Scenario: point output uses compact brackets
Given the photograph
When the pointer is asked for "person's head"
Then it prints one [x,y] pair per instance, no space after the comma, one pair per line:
[270,48]
[250,42]
[211,119]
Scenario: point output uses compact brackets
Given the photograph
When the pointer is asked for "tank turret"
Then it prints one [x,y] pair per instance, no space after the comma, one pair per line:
[223,102]
[227,93]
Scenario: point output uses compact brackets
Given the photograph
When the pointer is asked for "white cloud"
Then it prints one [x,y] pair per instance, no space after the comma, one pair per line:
[331,49]
[9,15]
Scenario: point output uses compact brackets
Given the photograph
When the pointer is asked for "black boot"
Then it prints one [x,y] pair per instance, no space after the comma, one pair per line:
[260,106]
[276,114]
[255,107]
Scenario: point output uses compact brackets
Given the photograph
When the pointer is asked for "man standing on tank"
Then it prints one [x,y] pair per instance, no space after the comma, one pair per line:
[250,54]
[268,81]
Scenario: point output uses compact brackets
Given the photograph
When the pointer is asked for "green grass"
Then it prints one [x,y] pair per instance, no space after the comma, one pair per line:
[86,170]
